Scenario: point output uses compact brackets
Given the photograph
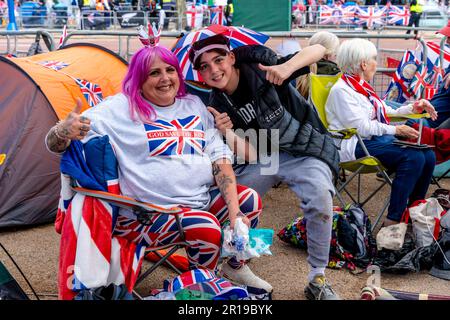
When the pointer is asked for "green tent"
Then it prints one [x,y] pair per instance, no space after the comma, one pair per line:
[9,288]
[263,15]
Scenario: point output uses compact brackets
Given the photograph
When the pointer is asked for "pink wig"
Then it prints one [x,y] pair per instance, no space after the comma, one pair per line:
[137,74]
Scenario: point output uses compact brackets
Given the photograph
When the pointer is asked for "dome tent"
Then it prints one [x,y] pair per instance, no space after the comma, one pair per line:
[36,92]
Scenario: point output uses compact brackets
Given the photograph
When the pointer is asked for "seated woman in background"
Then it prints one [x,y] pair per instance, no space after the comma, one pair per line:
[326,65]
[353,103]
[156,128]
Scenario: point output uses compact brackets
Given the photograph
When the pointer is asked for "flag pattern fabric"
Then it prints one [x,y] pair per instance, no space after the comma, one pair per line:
[337,14]
[99,246]
[177,137]
[238,36]
[418,83]
[92,92]
[201,228]
[63,36]
[90,257]
[217,15]
[194,15]
[54,65]
[363,87]
[398,15]
[371,16]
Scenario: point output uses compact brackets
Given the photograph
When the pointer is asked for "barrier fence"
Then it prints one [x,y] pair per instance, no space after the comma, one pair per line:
[124,43]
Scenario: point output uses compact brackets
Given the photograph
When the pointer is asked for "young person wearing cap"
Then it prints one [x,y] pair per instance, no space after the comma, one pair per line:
[250,95]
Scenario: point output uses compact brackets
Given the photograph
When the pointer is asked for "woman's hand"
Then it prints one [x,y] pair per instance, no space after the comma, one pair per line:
[276,74]
[406,131]
[424,105]
[222,120]
[239,215]
[75,126]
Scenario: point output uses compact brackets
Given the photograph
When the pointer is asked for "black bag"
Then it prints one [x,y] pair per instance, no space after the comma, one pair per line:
[111,292]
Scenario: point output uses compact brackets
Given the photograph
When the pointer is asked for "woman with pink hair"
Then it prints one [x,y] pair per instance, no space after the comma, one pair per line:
[169,154]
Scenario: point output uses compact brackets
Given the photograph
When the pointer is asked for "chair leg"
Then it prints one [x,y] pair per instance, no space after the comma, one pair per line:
[380,215]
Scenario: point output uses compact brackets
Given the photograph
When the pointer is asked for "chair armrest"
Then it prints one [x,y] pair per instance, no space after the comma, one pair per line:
[343,133]
[403,117]
[126,202]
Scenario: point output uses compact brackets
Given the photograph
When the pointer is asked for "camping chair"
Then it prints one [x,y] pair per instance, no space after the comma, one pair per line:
[319,90]
[100,166]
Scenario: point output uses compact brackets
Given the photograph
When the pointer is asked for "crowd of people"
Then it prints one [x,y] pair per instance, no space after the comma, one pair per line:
[251,90]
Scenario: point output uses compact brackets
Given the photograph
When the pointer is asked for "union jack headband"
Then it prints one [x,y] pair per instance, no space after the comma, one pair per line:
[150,38]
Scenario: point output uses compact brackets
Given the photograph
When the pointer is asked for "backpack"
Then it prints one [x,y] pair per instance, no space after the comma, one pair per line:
[352,244]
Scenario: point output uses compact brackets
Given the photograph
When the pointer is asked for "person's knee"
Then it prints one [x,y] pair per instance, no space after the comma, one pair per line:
[206,228]
[430,159]
[413,160]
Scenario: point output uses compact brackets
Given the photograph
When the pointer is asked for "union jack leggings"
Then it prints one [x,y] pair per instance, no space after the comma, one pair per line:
[202,229]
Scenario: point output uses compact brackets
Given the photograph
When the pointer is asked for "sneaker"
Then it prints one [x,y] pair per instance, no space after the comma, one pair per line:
[320,289]
[244,276]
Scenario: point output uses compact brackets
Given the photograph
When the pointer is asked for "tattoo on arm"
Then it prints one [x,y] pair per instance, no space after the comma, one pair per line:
[223,182]
[56,144]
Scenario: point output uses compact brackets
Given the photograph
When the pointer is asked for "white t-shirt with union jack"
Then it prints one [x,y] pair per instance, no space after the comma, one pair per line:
[168,161]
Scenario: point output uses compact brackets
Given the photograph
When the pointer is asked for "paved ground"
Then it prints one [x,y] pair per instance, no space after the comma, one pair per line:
[36,251]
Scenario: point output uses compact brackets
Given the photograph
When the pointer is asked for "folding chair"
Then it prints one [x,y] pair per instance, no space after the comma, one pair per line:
[92,168]
[319,90]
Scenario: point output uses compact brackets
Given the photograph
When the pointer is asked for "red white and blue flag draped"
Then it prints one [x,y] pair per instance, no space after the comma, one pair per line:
[363,87]
[433,59]
[435,74]
[63,36]
[239,36]
[418,83]
[54,65]
[90,257]
[337,14]
[217,15]
[398,15]
[91,91]
[371,16]
[398,89]
[177,137]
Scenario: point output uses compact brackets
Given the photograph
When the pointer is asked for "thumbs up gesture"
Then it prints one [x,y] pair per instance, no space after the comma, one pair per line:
[75,126]
[222,120]
[276,74]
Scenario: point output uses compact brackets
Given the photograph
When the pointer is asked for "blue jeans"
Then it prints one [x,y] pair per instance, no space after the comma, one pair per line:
[413,171]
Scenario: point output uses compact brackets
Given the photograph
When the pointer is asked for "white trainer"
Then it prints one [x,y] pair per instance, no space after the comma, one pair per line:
[244,276]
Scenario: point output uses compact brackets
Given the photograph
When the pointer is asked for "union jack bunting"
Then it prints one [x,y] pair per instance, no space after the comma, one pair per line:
[86,226]
[54,65]
[418,82]
[371,16]
[63,36]
[91,91]
[337,14]
[217,16]
[180,136]
[398,15]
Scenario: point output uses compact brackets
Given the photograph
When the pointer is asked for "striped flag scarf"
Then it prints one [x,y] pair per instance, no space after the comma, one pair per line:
[363,87]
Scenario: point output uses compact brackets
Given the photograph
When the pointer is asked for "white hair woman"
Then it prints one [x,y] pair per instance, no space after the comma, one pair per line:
[326,65]
[353,103]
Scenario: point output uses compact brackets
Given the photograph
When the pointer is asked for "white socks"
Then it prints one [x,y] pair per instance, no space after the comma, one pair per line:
[314,272]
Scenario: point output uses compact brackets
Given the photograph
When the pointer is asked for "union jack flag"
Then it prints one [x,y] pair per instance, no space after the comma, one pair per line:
[188,278]
[217,16]
[91,91]
[177,137]
[337,14]
[370,16]
[86,226]
[435,74]
[63,36]
[398,15]
[54,65]
[419,83]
